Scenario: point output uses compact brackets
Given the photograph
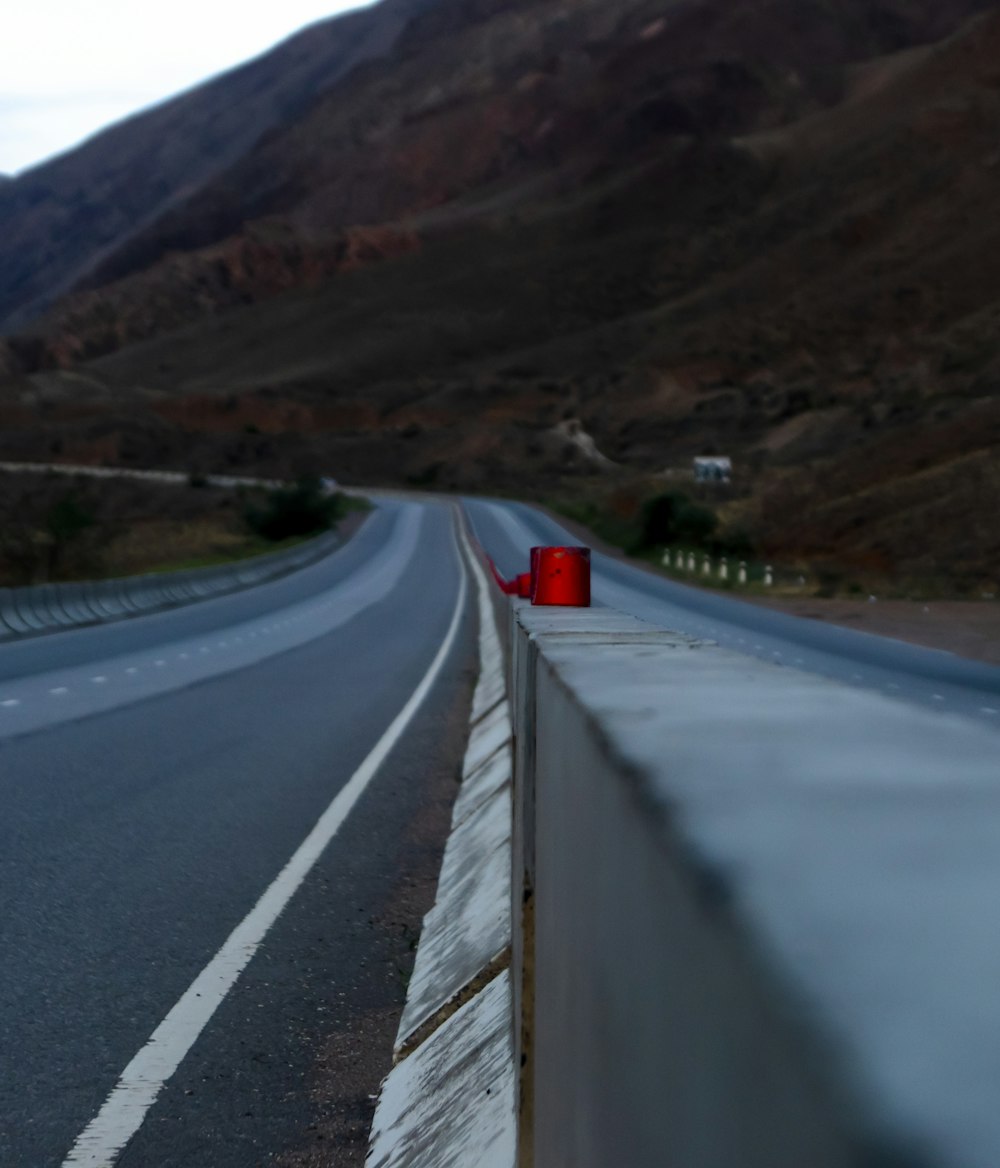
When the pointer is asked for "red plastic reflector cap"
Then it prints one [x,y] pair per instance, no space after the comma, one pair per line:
[560,575]
[524,585]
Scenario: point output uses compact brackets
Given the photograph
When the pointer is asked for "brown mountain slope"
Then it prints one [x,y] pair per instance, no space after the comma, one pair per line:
[59,219]
[486,98]
[807,281]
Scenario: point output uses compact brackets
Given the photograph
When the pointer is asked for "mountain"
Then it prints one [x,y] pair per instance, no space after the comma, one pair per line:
[513,230]
[61,218]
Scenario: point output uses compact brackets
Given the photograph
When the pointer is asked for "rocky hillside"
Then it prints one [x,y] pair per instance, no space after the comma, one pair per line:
[554,242]
[408,108]
[62,218]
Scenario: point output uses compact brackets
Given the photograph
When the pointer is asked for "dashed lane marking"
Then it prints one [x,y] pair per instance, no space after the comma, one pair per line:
[125,1109]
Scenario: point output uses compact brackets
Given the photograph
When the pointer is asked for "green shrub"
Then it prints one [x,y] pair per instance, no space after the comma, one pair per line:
[299,510]
[673,518]
[65,522]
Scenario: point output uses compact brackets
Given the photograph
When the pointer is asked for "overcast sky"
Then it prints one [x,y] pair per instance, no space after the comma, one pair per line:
[70,67]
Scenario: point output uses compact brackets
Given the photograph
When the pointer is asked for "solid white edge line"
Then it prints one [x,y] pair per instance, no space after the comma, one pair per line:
[489,641]
[125,1109]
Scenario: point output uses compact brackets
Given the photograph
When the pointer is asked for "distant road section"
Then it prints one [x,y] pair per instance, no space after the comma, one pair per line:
[938,680]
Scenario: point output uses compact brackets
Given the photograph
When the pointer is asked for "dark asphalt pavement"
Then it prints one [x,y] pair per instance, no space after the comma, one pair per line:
[156,775]
[941,681]
[144,814]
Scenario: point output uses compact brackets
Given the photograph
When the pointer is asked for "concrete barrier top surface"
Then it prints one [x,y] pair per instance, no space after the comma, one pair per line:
[857,838]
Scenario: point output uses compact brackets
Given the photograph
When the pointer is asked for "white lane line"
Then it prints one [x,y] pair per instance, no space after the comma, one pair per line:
[988,710]
[59,690]
[131,671]
[99,680]
[937,697]
[104,1138]
[160,663]
[10,703]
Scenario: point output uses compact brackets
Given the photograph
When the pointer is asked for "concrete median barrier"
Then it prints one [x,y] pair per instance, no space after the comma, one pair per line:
[751,920]
[752,911]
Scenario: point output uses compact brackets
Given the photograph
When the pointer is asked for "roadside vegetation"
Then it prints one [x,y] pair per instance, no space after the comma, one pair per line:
[646,523]
[297,511]
[643,524]
[55,527]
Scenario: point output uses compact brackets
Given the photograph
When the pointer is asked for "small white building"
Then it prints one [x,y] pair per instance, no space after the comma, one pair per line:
[713,470]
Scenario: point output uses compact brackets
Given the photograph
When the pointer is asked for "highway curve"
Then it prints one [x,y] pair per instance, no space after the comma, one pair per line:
[941,681]
[171,991]
[157,775]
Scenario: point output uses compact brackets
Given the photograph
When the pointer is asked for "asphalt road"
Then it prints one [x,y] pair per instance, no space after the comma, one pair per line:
[156,776]
[940,681]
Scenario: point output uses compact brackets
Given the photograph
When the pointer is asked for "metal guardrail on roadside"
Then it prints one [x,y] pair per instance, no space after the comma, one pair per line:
[41,608]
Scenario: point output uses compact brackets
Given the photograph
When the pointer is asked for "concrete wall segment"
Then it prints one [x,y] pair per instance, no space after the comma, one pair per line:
[655,1041]
[26,600]
[12,623]
[822,859]
[493,733]
[482,784]
[70,597]
[107,600]
[125,598]
[56,603]
[469,925]
[35,604]
[451,1103]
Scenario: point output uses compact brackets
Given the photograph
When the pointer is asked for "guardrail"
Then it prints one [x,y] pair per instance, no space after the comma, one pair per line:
[43,608]
[173,477]
[754,911]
